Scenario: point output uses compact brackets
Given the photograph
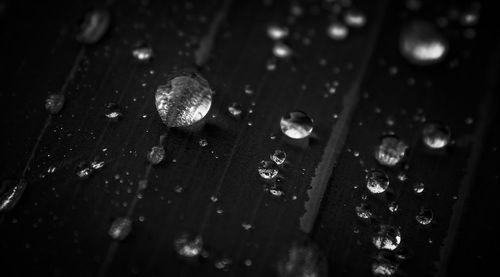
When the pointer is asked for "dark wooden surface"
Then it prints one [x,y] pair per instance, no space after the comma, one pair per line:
[59,228]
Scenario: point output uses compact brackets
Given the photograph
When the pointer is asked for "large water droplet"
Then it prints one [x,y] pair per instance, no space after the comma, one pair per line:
[120,228]
[267,169]
[424,216]
[355,18]
[156,155]
[94,26]
[421,44]
[10,193]
[188,247]
[435,136]
[390,151]
[377,181]
[296,125]
[387,237]
[278,157]
[184,100]
[54,103]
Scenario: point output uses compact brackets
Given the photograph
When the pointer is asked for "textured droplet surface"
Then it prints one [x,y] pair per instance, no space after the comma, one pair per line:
[267,169]
[435,136]
[279,156]
[156,155]
[296,125]
[10,193]
[184,100]
[188,247]
[54,103]
[94,26]
[424,216]
[235,109]
[387,237]
[421,43]
[120,228]
[390,151]
[377,181]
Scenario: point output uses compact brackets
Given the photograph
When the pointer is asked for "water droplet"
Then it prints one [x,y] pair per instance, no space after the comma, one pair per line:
[120,228]
[10,193]
[143,53]
[267,169]
[421,44]
[275,190]
[271,64]
[354,18]
[203,142]
[156,155]
[113,111]
[223,264]
[337,31]
[435,136]
[276,32]
[377,181]
[235,109]
[296,125]
[83,170]
[188,247]
[418,187]
[303,260]
[402,176]
[387,237]
[424,216]
[281,50]
[184,100]
[54,103]
[470,17]
[393,206]
[384,268]
[390,151]
[96,165]
[278,157]
[94,26]
[363,210]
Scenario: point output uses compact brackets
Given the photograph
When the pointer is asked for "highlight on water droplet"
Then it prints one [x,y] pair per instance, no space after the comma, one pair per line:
[278,156]
[10,193]
[337,31]
[235,109]
[424,216]
[143,53]
[277,32]
[390,151]
[421,43]
[296,125]
[94,26]
[377,181]
[267,169]
[184,100]
[187,246]
[120,228]
[83,170]
[281,50]
[113,111]
[156,154]
[363,210]
[387,238]
[54,103]
[418,187]
[435,136]
[354,18]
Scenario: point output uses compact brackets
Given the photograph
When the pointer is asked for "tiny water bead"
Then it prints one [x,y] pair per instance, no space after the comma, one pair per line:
[184,100]
[296,125]
[156,154]
[274,190]
[54,103]
[94,26]
[277,32]
[424,216]
[278,157]
[390,151]
[120,228]
[421,43]
[203,142]
[363,210]
[281,50]
[235,109]
[10,193]
[435,136]
[393,206]
[113,111]
[83,170]
[337,31]
[387,238]
[418,187]
[267,169]
[187,246]
[143,53]
[377,181]
[354,18]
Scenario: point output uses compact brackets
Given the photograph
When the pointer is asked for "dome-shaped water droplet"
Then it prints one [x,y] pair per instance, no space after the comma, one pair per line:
[337,31]
[278,157]
[276,32]
[421,44]
[387,237]
[10,193]
[156,155]
[120,228]
[143,53]
[113,111]
[184,100]
[94,26]
[296,125]
[354,18]
[435,136]
[418,187]
[281,50]
[424,216]
[363,210]
[390,151]
[54,103]
[188,247]
[267,169]
[377,181]
[235,109]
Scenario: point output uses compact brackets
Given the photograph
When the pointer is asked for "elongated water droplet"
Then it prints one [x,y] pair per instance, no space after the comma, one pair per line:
[387,237]
[337,31]
[390,151]
[424,216]
[94,26]
[54,103]
[188,247]
[156,155]
[120,228]
[278,157]
[435,136]
[184,100]
[113,111]
[10,193]
[377,181]
[421,44]
[267,169]
[296,125]
[355,18]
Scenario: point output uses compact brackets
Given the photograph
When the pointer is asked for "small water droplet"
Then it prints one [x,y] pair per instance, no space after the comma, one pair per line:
[355,18]
[203,142]
[393,206]
[10,193]
[303,260]
[384,268]
[421,44]
[113,111]
[390,151]
[120,228]
[278,157]
[435,136]
[96,164]
[424,216]
[276,32]
[184,100]
[94,26]
[235,109]
[377,181]
[156,154]
[387,237]
[246,226]
[143,53]
[83,170]
[267,169]
[363,210]
[282,50]
[337,31]
[296,125]
[188,247]
[54,103]
[418,187]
